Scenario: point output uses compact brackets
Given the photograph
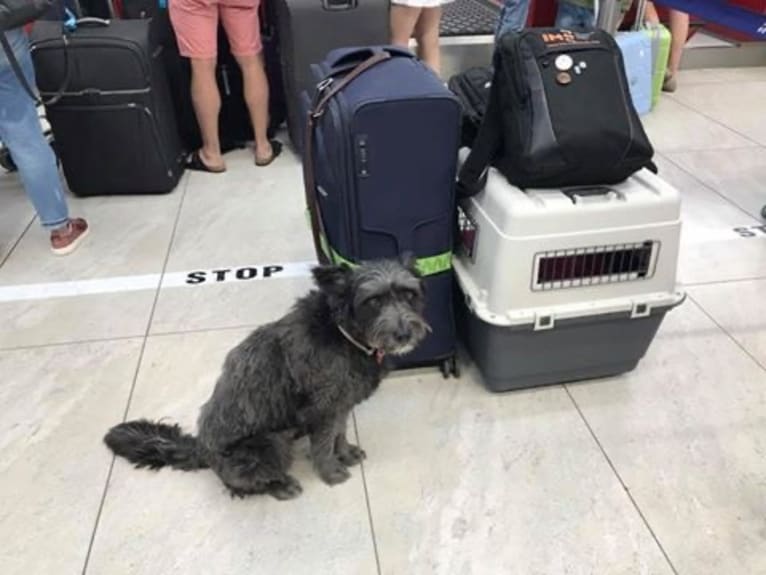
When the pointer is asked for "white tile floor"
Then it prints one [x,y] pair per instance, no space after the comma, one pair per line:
[660,471]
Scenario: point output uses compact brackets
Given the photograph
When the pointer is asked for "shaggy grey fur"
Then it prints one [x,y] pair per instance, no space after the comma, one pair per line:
[298,375]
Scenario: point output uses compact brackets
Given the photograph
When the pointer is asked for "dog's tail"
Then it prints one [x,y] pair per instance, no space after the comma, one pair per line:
[155,445]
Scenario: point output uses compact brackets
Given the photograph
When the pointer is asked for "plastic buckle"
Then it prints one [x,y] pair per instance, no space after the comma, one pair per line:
[640,310]
[544,321]
[324,84]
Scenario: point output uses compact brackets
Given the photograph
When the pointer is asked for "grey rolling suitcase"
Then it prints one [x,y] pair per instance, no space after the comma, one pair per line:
[309,29]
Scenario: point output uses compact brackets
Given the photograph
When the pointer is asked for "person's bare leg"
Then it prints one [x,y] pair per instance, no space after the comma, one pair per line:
[207,105]
[427,36]
[256,87]
[679,31]
[403,20]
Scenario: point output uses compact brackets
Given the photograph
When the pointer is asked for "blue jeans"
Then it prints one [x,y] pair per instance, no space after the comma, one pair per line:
[574,17]
[513,17]
[22,134]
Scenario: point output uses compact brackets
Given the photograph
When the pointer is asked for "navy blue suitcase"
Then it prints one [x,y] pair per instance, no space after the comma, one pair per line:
[384,134]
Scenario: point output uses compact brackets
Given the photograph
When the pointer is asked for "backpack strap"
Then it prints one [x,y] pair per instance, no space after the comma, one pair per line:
[473,173]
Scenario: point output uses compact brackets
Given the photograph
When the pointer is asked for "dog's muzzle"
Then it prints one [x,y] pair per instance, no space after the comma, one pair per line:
[407,337]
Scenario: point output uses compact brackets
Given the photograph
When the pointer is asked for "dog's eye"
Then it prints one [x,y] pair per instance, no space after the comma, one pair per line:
[409,295]
[373,302]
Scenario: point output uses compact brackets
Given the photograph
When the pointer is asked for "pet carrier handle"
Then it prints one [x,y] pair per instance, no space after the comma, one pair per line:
[583,194]
[338,5]
[309,173]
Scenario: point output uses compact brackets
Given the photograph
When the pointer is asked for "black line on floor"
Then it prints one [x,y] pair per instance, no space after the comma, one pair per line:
[18,241]
[622,483]
[721,282]
[367,498]
[135,378]
[250,326]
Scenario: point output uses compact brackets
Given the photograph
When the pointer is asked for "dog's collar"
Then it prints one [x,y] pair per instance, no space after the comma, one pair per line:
[378,354]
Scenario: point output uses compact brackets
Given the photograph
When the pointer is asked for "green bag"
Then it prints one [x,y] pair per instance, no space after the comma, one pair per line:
[660,37]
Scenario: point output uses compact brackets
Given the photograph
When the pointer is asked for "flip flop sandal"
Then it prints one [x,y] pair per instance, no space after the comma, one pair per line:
[276,149]
[195,163]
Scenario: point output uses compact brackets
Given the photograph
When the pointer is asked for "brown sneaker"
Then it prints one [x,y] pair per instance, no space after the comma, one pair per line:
[66,240]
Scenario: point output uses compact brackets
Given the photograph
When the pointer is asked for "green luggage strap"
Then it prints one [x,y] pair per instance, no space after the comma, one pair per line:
[428,266]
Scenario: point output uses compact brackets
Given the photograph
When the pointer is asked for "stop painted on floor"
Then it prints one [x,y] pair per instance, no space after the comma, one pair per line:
[233,274]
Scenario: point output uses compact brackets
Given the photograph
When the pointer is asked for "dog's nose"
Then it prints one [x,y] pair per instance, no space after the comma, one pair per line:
[403,334]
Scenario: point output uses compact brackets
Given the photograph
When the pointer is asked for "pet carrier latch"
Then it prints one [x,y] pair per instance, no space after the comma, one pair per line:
[640,310]
[544,321]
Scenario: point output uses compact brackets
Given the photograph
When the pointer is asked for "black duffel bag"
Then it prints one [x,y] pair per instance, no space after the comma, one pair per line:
[559,114]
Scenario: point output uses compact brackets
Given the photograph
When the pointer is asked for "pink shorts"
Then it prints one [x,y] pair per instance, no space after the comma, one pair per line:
[196,26]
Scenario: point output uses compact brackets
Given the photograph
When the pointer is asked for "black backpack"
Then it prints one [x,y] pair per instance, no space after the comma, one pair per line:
[559,114]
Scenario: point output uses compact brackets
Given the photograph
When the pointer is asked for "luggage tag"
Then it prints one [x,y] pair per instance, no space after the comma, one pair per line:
[70,21]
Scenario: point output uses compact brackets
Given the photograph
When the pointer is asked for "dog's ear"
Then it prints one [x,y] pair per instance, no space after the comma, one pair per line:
[333,280]
[409,261]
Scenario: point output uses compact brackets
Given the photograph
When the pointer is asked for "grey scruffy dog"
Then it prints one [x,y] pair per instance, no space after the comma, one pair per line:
[299,375]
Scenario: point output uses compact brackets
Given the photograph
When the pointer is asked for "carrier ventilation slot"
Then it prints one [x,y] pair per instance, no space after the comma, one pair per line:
[595,265]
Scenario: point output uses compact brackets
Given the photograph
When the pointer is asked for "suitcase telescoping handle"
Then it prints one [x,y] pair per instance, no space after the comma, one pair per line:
[91,22]
[309,174]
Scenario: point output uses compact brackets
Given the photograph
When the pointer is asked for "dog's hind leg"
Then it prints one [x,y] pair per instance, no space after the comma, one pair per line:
[347,453]
[258,465]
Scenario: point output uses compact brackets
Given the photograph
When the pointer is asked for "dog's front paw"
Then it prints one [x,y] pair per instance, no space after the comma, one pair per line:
[333,472]
[351,455]
[284,490]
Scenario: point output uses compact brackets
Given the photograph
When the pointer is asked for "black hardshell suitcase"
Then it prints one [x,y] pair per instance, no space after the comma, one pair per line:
[115,127]
[309,29]
[379,173]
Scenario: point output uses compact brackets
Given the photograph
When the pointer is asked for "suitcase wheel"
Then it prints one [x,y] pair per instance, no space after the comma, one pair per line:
[450,367]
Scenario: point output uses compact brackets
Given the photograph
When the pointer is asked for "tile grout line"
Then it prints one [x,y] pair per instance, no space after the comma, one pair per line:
[704,184]
[105,491]
[728,334]
[722,282]
[128,337]
[367,499]
[719,122]
[622,483]
[18,241]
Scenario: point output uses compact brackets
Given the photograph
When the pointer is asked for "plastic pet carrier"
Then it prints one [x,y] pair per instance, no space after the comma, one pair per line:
[565,284]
